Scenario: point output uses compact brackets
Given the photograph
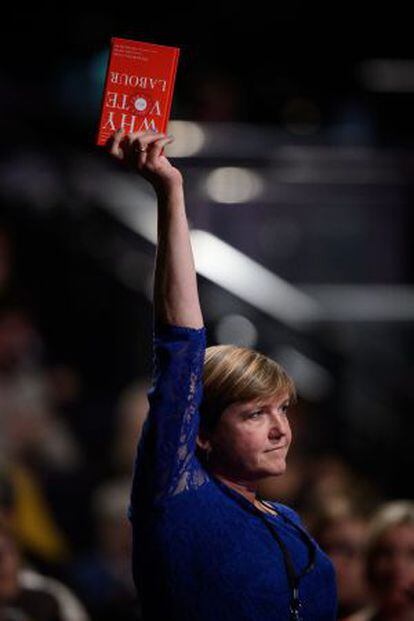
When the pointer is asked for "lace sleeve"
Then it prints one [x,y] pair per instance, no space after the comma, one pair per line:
[165,463]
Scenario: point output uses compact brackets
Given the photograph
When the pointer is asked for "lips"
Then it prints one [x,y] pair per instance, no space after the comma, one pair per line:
[277,448]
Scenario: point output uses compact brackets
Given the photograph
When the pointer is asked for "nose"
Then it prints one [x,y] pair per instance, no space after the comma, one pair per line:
[279,425]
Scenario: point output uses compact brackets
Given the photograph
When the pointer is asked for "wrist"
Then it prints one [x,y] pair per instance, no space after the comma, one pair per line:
[169,189]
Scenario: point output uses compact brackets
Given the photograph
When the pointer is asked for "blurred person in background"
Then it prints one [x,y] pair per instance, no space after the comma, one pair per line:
[390,564]
[21,579]
[331,482]
[131,412]
[39,403]
[103,577]
[341,530]
[320,482]
[26,595]
[36,442]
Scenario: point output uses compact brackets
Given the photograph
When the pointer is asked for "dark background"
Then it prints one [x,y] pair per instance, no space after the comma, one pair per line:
[284,94]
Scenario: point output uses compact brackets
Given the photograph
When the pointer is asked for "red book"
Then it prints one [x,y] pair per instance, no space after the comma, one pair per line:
[139,86]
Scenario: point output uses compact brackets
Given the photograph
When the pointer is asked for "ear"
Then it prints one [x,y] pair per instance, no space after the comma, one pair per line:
[203,441]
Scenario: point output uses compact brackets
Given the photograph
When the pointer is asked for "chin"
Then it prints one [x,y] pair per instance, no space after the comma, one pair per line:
[277,470]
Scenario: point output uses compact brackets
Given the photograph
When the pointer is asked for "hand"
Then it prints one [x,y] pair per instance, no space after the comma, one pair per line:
[141,152]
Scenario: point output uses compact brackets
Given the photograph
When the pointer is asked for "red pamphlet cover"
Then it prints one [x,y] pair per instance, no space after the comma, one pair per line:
[139,86]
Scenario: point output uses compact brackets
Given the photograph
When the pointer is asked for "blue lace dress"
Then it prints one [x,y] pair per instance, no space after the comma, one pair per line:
[201,550]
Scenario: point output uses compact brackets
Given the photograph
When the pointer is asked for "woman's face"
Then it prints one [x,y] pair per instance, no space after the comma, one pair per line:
[252,439]
[392,568]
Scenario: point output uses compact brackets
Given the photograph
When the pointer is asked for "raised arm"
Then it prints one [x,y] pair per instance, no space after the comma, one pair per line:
[175,285]
[166,464]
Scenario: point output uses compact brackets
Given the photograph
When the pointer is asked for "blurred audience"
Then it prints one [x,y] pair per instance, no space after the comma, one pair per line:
[59,477]
[390,564]
[38,447]
[341,531]
[313,484]
[131,412]
[34,441]
[26,595]
[103,577]
[331,481]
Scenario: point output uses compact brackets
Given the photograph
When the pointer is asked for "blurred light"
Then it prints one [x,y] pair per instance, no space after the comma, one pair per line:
[189,138]
[364,302]
[121,194]
[149,286]
[312,380]
[387,75]
[236,330]
[214,259]
[301,116]
[231,269]
[343,165]
[233,185]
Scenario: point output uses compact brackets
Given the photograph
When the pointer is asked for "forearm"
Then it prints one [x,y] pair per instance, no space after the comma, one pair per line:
[175,284]
[176,299]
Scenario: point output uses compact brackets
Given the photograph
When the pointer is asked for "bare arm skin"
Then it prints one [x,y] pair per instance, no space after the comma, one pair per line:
[176,298]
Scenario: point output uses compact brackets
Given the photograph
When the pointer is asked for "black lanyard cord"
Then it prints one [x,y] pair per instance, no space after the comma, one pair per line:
[293,578]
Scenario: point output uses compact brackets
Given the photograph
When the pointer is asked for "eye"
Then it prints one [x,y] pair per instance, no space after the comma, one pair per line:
[255,414]
[285,408]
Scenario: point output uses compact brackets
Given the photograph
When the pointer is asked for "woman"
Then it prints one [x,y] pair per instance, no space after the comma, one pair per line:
[205,546]
[390,564]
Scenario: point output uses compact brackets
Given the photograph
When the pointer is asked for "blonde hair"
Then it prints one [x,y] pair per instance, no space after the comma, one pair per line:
[390,515]
[239,374]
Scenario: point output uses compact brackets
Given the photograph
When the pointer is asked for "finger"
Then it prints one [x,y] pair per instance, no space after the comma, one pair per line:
[115,148]
[146,134]
[143,150]
[144,139]
[155,149]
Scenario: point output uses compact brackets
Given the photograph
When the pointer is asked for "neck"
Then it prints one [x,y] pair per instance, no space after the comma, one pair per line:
[246,488]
